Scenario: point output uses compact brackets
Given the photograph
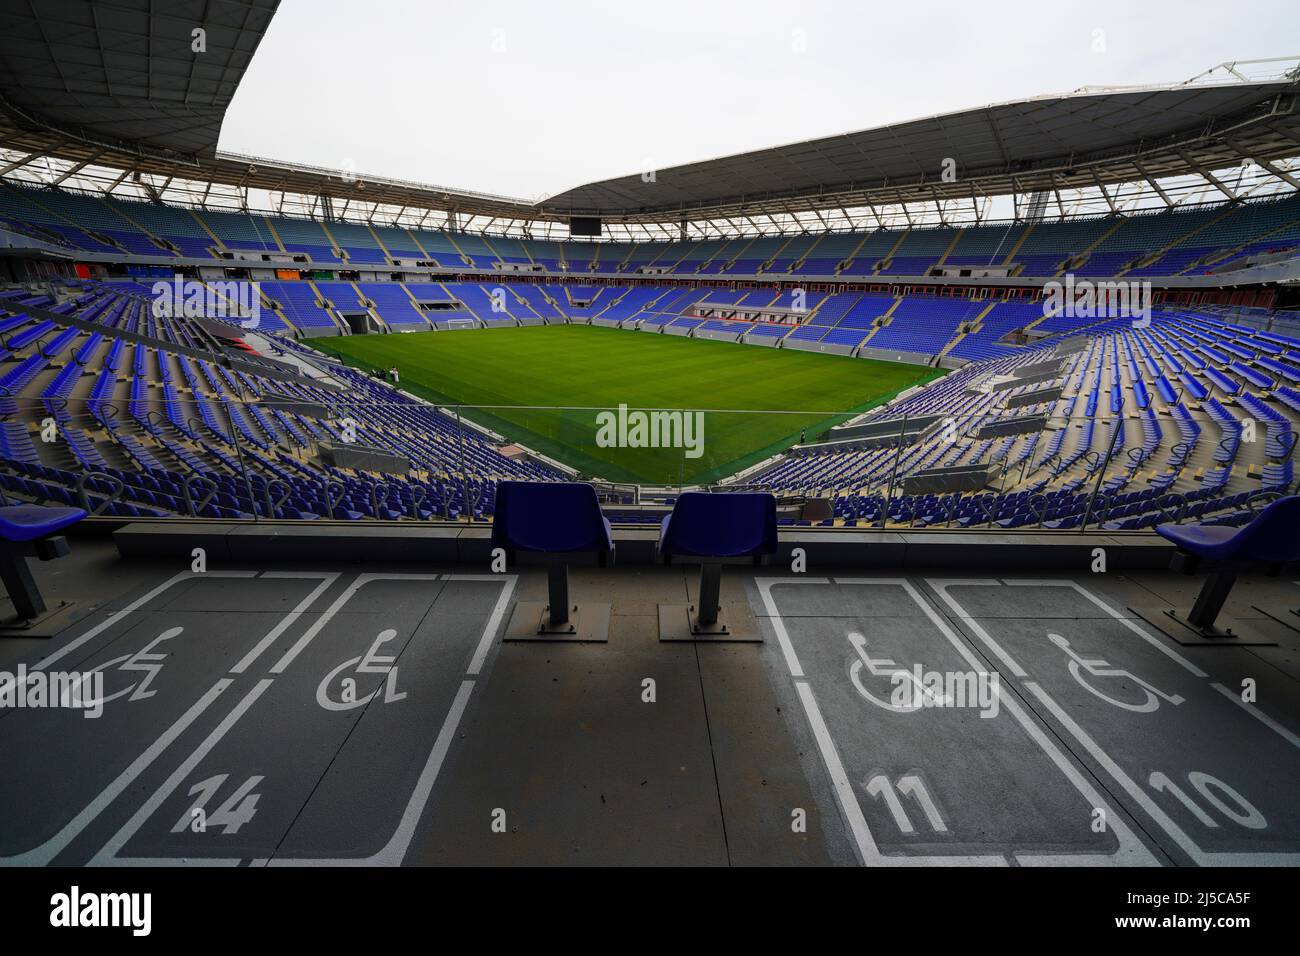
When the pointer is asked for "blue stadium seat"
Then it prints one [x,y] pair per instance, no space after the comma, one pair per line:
[30,530]
[554,518]
[19,523]
[1273,538]
[712,527]
[550,517]
[719,526]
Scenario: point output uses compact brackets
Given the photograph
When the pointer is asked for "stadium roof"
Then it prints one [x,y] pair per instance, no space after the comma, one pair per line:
[128,74]
[1026,146]
[114,91]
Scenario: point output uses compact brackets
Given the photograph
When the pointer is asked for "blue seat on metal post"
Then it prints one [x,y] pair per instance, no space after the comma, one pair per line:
[1272,537]
[30,530]
[557,519]
[712,527]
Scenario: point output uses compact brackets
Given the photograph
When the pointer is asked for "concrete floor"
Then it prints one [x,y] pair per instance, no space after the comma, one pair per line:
[293,714]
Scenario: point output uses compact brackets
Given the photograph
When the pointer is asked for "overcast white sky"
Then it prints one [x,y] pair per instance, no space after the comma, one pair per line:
[525,98]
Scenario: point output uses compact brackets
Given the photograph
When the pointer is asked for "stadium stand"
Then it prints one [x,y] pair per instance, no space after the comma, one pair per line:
[1152,416]
[1143,245]
[316,447]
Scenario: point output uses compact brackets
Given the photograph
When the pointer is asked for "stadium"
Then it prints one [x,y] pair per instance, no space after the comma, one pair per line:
[917,495]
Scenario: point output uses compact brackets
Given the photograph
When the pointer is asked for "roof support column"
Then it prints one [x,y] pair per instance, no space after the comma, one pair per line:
[1208,177]
[19,163]
[1151,181]
[1269,168]
[1104,194]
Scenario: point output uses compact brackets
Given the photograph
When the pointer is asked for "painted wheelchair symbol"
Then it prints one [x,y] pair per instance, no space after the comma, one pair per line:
[372,662]
[1096,667]
[893,673]
[147,661]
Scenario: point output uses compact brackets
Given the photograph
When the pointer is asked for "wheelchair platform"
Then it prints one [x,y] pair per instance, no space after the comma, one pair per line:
[339,714]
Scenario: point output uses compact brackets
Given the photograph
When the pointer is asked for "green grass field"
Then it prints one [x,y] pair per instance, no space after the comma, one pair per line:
[577,370]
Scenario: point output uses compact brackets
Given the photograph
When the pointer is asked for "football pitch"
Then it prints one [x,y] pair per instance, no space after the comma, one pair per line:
[545,386]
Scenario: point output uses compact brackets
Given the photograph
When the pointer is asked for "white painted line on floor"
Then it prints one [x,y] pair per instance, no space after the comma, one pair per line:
[941,586]
[868,851]
[1259,715]
[1134,790]
[850,810]
[43,854]
[326,579]
[1140,795]
[1130,851]
[1132,625]
[131,608]
[765,586]
[48,850]
[976,665]
[498,611]
[394,851]
[1173,653]
[108,853]
[361,581]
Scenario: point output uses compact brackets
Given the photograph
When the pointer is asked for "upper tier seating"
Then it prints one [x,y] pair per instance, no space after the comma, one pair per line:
[1177,242]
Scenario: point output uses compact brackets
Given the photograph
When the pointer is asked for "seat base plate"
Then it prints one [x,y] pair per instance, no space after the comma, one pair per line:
[677,622]
[1229,632]
[46,624]
[531,621]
